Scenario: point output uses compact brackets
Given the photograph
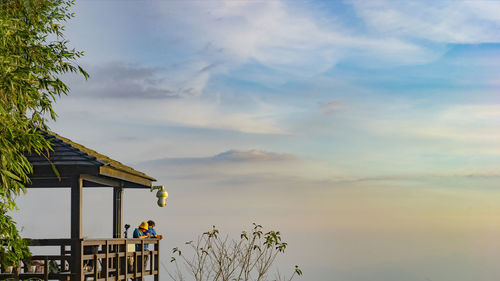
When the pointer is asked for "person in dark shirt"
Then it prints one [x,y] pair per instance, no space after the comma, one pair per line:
[152,231]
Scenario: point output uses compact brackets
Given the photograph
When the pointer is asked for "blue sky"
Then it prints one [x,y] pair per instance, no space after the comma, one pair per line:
[367,131]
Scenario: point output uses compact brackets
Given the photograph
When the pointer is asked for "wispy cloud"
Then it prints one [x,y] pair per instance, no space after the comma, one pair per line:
[133,80]
[231,157]
[462,124]
[252,167]
[280,36]
[465,22]
[186,112]
[242,166]
[330,107]
[239,155]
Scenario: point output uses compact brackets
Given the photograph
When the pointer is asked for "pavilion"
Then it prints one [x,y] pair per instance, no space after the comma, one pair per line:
[71,165]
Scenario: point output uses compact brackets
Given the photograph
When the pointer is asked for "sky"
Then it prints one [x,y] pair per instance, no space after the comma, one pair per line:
[365,131]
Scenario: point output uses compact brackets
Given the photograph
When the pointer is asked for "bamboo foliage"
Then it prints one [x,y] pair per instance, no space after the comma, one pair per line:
[33,56]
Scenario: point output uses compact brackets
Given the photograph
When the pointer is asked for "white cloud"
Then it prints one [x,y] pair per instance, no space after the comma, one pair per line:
[464,22]
[452,130]
[119,79]
[279,35]
[251,167]
[330,107]
[253,155]
[188,112]
[476,124]
[486,10]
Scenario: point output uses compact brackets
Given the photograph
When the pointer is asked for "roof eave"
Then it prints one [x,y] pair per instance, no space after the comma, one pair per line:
[110,172]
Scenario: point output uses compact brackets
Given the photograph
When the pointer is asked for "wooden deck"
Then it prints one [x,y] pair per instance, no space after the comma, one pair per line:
[100,260]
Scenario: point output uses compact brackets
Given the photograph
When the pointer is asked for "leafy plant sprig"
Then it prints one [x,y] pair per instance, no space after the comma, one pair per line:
[220,258]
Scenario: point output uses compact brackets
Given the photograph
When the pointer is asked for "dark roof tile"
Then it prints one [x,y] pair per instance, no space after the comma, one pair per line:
[67,152]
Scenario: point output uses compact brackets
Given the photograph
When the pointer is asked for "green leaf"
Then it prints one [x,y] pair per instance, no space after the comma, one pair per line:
[30,70]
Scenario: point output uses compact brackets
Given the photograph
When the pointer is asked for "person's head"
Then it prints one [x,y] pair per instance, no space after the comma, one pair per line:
[151,223]
[144,225]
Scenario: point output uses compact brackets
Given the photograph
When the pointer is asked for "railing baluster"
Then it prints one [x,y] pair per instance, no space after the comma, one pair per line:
[151,261]
[106,261]
[46,268]
[126,260]
[142,259]
[61,252]
[116,250]
[95,267]
[135,264]
[157,267]
[113,260]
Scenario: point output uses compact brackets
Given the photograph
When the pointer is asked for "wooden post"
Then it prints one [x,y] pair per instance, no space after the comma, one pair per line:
[76,207]
[142,259]
[76,228]
[106,262]
[157,260]
[117,211]
[126,259]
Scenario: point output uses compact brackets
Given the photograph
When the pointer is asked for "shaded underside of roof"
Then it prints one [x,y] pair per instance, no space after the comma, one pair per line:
[68,158]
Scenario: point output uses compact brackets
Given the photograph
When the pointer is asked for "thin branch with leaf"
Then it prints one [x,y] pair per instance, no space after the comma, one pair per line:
[212,257]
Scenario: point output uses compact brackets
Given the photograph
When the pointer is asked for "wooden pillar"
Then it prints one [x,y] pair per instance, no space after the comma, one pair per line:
[76,228]
[117,211]
[76,207]
[157,261]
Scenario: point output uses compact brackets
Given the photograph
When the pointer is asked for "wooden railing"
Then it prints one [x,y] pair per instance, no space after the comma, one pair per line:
[101,260]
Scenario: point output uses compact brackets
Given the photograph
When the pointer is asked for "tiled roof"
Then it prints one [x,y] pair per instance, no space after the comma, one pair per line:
[67,152]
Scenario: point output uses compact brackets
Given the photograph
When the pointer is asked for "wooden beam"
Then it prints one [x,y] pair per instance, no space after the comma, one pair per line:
[46,171]
[50,182]
[50,242]
[117,174]
[101,180]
